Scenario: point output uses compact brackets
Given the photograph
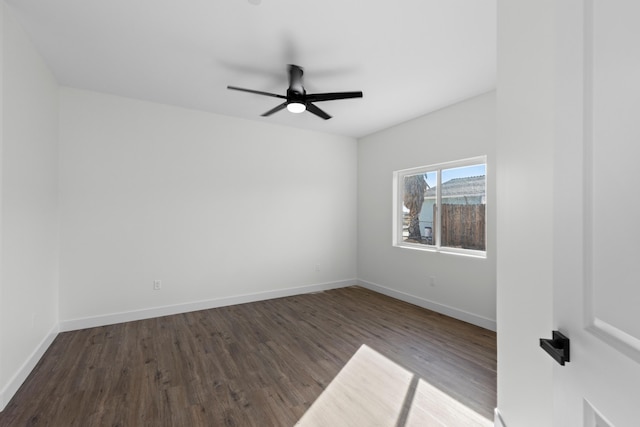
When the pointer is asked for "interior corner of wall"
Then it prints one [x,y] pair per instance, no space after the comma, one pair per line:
[497,419]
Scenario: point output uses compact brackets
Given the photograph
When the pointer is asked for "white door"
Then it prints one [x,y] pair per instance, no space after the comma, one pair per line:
[597,213]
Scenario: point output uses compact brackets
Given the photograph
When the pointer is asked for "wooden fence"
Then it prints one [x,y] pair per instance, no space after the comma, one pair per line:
[463,226]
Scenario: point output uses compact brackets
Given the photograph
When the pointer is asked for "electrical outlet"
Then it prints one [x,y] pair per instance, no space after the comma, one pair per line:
[432,281]
[317,268]
[157,285]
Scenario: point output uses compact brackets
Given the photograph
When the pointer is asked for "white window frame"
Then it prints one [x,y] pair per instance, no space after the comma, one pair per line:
[398,192]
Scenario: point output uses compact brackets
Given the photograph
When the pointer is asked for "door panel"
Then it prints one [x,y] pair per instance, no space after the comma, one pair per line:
[612,128]
[597,213]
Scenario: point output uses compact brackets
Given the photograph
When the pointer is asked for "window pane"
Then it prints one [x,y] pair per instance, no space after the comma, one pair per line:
[463,208]
[442,207]
[418,208]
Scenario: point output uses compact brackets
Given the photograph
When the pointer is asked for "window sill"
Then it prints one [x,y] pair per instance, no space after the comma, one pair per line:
[449,251]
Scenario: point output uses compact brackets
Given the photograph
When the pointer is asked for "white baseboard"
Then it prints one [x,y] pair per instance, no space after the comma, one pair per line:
[497,419]
[23,372]
[148,313]
[474,319]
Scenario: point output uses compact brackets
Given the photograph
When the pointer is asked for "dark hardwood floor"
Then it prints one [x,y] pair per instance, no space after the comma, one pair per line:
[258,364]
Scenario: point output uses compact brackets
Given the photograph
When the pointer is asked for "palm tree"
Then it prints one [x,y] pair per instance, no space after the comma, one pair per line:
[414,188]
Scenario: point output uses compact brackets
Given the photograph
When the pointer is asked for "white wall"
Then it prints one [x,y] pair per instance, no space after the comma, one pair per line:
[29,216]
[525,207]
[465,286]
[215,207]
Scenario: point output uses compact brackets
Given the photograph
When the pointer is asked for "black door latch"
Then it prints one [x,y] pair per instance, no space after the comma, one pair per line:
[557,347]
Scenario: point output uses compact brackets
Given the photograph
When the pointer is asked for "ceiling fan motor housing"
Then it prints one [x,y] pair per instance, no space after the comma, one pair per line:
[295,97]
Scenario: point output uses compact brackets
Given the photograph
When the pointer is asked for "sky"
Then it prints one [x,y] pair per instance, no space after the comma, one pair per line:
[461,172]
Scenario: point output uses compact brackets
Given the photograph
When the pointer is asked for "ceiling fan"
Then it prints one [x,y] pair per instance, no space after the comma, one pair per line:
[297,99]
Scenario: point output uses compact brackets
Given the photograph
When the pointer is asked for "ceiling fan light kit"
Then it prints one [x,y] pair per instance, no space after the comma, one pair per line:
[296,107]
[297,100]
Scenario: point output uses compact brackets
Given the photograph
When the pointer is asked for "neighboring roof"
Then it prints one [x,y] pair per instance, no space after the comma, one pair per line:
[469,186]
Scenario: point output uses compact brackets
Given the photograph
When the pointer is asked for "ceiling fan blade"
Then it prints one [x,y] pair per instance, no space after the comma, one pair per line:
[318,112]
[275,95]
[316,97]
[275,109]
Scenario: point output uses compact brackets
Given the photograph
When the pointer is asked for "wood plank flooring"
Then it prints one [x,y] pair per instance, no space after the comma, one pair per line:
[259,364]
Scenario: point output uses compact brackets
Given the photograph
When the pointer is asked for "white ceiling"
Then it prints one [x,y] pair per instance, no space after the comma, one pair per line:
[409,57]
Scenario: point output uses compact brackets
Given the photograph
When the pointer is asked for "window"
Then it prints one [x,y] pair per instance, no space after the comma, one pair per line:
[442,207]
